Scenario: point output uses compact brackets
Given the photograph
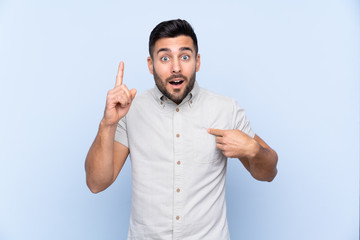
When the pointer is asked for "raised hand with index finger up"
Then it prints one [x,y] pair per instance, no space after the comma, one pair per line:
[118,100]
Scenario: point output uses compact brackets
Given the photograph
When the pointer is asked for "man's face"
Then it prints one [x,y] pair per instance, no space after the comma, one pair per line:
[174,66]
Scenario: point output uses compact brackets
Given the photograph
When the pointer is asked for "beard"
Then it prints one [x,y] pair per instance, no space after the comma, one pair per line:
[161,84]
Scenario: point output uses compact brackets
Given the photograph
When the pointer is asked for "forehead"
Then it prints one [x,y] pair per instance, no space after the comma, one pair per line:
[174,44]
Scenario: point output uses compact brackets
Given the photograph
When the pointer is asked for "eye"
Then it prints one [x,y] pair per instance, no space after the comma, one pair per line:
[185,57]
[164,59]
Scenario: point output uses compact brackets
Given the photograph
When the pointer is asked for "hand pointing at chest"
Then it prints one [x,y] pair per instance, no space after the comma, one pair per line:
[234,143]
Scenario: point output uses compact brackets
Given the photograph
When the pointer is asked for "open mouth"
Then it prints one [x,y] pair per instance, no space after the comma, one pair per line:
[177,82]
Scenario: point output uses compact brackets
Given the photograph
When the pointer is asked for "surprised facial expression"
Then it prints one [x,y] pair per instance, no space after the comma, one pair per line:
[174,66]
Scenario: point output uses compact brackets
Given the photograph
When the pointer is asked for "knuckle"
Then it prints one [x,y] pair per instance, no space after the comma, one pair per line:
[109,98]
[123,87]
[124,97]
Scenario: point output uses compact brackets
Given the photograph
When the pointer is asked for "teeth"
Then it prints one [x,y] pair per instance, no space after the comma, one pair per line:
[176,82]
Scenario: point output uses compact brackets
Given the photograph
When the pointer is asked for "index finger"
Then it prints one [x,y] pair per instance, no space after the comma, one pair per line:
[120,74]
[216,132]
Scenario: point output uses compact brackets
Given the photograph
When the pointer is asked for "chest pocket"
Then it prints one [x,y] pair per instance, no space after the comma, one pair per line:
[205,150]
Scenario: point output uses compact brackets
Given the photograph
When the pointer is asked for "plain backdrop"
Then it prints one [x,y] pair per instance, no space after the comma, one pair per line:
[293,65]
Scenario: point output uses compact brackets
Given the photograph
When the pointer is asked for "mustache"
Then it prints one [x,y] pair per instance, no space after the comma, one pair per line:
[176,76]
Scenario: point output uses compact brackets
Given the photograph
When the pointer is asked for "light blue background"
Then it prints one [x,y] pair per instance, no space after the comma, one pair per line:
[293,65]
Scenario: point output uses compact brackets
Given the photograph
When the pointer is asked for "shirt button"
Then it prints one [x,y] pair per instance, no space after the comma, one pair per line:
[190,101]
[178,162]
[178,190]
[177,135]
[161,103]
[177,217]
[177,109]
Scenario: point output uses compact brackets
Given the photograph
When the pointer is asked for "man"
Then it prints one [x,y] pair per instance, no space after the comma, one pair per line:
[179,137]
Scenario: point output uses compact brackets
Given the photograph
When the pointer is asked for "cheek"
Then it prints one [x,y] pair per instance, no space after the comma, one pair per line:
[161,70]
[190,69]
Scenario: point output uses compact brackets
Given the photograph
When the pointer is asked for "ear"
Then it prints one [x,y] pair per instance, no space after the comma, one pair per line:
[197,62]
[150,64]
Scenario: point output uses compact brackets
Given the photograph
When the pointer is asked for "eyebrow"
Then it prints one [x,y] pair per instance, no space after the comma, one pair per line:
[186,49]
[168,50]
[163,50]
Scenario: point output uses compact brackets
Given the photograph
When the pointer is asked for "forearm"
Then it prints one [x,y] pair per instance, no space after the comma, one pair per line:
[262,165]
[99,164]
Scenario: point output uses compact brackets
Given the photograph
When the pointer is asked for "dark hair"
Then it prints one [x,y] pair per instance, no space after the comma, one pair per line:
[171,29]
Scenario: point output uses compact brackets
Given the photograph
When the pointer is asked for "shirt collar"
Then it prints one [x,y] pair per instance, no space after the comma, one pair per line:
[162,100]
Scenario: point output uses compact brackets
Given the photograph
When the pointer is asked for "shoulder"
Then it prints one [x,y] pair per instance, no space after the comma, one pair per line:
[143,104]
[220,104]
[215,99]
[143,98]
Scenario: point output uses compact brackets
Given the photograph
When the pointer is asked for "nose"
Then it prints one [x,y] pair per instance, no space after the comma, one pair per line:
[176,68]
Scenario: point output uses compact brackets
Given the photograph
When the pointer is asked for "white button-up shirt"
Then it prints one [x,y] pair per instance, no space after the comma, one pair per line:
[178,174]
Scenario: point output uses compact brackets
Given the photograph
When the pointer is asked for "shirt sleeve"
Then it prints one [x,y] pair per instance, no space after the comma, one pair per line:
[241,122]
[121,133]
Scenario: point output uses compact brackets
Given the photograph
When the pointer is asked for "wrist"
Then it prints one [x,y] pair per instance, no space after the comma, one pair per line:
[104,125]
[254,149]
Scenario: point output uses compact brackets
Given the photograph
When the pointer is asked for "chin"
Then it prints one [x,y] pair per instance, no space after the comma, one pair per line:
[176,92]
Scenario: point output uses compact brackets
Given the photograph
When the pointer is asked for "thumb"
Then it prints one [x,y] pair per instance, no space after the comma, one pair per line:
[133,93]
